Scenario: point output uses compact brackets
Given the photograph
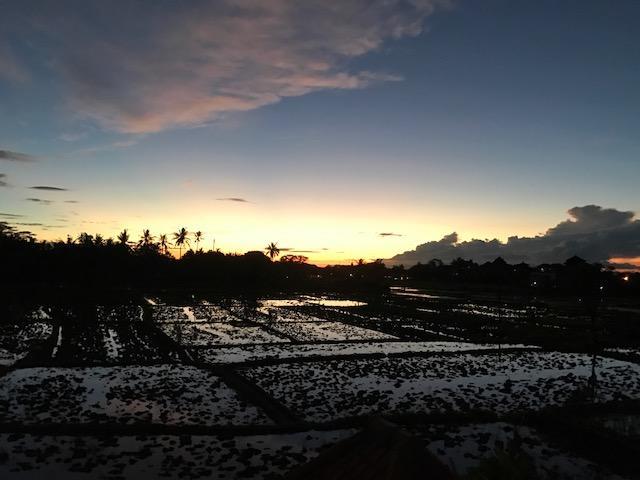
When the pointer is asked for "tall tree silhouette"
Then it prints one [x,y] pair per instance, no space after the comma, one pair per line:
[198,237]
[85,239]
[272,250]
[123,238]
[146,240]
[181,237]
[164,243]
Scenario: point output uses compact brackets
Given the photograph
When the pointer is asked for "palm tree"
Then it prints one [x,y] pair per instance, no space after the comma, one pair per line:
[146,240]
[272,250]
[181,237]
[198,237]
[164,243]
[123,237]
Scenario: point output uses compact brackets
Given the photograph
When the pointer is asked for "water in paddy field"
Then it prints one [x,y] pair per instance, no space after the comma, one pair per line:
[204,388]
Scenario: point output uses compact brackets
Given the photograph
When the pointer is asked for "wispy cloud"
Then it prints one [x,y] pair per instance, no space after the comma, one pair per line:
[10,215]
[389,234]
[39,200]
[48,188]
[71,201]
[72,136]
[127,142]
[139,67]
[10,156]
[233,199]
[3,180]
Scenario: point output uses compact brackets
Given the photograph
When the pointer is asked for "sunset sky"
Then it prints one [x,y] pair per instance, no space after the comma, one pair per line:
[341,130]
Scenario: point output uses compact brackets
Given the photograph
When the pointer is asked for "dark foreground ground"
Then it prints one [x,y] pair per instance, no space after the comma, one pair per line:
[203,386]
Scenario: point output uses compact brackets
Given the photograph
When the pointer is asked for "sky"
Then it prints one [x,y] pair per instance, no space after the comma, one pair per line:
[341,130]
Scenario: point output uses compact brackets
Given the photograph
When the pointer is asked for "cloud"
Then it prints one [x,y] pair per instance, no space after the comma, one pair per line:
[594,233]
[389,234]
[128,142]
[15,156]
[39,200]
[3,180]
[71,201]
[140,67]
[27,224]
[72,136]
[10,215]
[48,188]
[233,199]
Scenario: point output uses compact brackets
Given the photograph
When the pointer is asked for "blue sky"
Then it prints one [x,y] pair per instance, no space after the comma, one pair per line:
[489,118]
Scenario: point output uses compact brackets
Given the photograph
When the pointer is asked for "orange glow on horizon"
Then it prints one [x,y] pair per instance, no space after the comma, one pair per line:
[632,261]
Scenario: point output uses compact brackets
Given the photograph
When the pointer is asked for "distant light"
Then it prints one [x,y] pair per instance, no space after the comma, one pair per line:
[601,287]
[625,278]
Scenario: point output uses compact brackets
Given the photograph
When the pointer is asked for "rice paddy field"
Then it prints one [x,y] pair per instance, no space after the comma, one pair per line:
[233,388]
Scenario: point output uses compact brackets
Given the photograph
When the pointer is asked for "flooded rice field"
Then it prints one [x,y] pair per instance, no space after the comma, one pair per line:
[32,457]
[252,388]
[465,448]
[167,394]
[323,391]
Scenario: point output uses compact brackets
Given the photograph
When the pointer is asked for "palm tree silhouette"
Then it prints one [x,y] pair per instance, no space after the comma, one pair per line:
[272,250]
[123,237]
[164,243]
[146,239]
[181,237]
[198,237]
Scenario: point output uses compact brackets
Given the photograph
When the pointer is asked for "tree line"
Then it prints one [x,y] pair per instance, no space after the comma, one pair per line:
[146,263]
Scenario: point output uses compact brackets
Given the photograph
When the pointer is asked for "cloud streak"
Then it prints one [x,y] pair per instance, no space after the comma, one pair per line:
[39,200]
[48,188]
[233,199]
[594,233]
[3,180]
[10,156]
[140,67]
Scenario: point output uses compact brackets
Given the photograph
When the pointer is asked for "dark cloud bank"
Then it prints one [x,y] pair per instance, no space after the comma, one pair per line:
[594,233]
